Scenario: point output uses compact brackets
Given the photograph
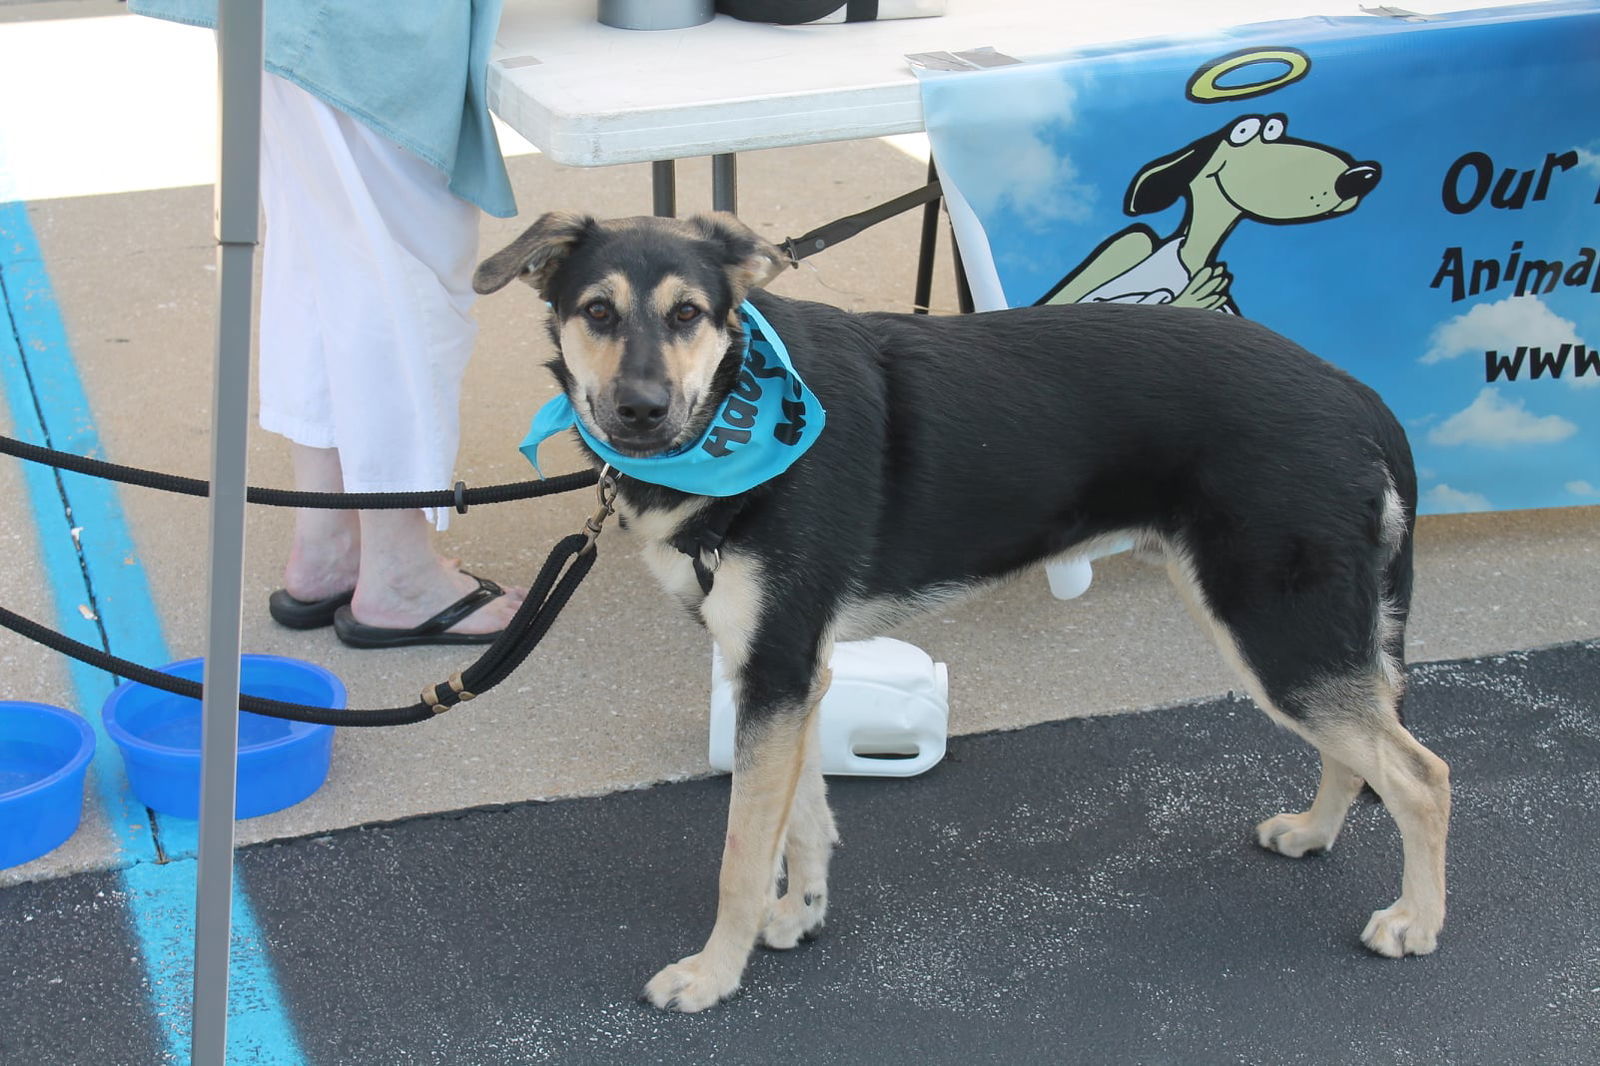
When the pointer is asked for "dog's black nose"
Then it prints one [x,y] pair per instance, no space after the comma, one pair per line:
[1357,181]
[642,405]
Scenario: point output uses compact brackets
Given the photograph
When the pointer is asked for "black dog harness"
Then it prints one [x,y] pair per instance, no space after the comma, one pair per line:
[702,537]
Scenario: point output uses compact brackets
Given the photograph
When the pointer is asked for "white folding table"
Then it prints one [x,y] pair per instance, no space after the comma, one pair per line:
[590,95]
[586,94]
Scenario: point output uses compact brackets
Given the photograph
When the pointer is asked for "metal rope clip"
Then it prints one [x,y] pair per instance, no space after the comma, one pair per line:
[606,490]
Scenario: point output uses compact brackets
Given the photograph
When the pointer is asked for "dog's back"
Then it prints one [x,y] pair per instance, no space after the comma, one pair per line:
[967,448]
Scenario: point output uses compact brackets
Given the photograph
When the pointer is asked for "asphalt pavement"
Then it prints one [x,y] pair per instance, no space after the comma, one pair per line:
[1085,891]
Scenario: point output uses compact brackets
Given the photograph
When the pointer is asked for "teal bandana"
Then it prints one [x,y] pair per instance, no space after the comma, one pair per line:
[766,423]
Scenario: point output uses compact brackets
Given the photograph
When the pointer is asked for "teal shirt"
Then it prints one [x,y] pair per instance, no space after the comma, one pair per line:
[413,70]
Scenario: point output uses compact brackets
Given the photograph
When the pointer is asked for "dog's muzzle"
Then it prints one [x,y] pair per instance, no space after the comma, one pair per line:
[636,417]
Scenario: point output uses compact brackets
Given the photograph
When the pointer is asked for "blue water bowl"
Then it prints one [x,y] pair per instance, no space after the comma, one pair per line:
[44,753]
[280,762]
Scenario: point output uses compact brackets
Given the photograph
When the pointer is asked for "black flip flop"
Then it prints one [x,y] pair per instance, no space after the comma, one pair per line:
[433,631]
[286,610]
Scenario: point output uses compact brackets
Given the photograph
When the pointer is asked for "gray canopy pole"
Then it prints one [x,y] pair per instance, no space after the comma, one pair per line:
[239,50]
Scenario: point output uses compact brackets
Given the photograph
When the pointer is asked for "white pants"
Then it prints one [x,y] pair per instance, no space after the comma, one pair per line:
[365,297]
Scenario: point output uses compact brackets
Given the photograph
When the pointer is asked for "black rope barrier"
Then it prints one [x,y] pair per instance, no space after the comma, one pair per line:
[548,594]
[459,497]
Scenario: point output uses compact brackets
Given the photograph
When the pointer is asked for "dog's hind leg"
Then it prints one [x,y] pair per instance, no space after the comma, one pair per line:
[1323,660]
[1354,723]
[1314,830]
[1414,785]
[801,910]
[1353,720]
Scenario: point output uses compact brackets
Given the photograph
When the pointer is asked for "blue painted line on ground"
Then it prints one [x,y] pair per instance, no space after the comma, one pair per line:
[102,597]
[31,340]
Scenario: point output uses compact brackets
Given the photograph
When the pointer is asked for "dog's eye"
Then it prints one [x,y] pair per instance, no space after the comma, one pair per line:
[1244,129]
[597,310]
[1275,127]
[686,312]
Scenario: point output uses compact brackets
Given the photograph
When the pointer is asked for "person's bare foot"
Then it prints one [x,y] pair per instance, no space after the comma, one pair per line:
[387,557]
[324,556]
[406,600]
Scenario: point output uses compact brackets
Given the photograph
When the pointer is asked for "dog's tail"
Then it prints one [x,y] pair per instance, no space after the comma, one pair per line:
[1397,527]
[1400,522]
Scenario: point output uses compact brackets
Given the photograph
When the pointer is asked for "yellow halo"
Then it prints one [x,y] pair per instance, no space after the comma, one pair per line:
[1203,87]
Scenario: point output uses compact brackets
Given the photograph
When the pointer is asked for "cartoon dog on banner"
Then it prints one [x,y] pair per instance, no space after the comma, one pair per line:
[1248,169]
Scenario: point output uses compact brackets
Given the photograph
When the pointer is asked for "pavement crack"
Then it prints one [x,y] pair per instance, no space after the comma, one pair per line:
[161,858]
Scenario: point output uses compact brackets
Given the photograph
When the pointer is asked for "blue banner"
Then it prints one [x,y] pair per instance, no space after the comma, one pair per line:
[1415,201]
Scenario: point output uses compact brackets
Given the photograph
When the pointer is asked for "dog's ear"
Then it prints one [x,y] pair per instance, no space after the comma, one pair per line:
[536,255]
[749,260]
[1163,181]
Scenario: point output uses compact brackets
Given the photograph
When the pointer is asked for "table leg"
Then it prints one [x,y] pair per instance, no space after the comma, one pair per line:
[930,243]
[664,186]
[725,183]
[963,289]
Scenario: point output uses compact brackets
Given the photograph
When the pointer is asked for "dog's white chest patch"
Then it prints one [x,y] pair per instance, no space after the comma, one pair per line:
[673,569]
[733,607]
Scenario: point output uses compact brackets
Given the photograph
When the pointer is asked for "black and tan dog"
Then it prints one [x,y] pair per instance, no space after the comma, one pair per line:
[959,451]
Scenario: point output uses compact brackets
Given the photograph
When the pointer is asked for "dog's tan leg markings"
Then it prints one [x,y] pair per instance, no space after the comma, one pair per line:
[766,770]
[1356,725]
[1415,786]
[801,910]
[1315,829]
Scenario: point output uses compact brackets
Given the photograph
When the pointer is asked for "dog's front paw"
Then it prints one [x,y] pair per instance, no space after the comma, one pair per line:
[1292,835]
[690,985]
[795,917]
[1399,930]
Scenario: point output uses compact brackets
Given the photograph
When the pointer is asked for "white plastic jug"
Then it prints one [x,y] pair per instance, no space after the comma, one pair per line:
[1070,575]
[1069,578]
[885,715]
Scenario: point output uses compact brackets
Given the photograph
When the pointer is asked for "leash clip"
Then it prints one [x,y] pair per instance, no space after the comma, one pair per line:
[606,491]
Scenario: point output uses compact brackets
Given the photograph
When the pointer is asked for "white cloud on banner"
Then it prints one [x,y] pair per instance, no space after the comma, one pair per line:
[1442,499]
[1501,326]
[1582,488]
[1496,422]
[1022,170]
[1589,158]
